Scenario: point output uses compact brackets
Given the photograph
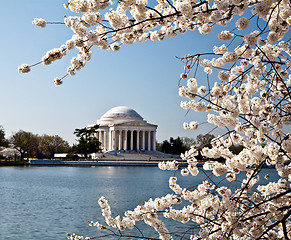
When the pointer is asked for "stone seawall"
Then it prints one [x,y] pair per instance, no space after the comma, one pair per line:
[98,163]
[93,163]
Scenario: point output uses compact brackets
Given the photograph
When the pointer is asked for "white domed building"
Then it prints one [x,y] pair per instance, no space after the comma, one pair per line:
[122,128]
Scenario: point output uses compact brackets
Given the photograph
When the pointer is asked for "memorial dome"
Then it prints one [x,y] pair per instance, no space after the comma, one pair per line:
[118,115]
[122,128]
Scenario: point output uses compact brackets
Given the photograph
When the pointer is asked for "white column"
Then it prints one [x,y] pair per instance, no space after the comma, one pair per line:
[125,140]
[100,137]
[97,135]
[143,140]
[116,140]
[113,140]
[137,140]
[105,141]
[131,140]
[154,140]
[110,140]
[149,140]
[120,139]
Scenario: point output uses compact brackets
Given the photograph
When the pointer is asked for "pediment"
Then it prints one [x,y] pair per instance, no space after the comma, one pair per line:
[135,123]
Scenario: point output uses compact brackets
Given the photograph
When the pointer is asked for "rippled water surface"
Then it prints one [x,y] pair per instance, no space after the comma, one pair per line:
[49,202]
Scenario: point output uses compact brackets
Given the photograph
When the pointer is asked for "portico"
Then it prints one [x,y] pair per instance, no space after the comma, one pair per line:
[122,128]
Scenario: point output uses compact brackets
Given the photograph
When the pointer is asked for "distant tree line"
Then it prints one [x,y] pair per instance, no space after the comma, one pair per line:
[30,145]
[173,146]
[181,144]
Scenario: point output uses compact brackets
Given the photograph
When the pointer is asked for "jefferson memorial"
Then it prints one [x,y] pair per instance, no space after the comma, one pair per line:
[122,128]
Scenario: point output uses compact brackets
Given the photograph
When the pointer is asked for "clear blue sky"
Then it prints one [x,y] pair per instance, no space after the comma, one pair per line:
[141,76]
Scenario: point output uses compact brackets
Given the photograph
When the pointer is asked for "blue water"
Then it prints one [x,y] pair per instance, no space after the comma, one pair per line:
[49,202]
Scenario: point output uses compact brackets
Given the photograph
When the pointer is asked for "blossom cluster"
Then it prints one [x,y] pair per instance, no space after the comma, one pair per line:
[24,68]
[39,22]
[117,222]
[134,21]
[216,209]
[76,237]
[251,100]
[147,212]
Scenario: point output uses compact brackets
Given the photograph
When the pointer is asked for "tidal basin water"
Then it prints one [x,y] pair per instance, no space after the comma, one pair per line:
[49,202]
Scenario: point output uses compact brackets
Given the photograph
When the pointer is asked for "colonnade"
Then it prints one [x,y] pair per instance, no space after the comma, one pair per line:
[120,139]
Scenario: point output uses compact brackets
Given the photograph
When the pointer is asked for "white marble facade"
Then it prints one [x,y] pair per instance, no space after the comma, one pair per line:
[122,128]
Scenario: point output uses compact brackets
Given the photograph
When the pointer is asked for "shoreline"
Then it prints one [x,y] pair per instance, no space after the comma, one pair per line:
[91,163]
[111,158]
[99,163]
[106,163]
